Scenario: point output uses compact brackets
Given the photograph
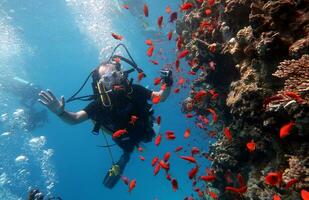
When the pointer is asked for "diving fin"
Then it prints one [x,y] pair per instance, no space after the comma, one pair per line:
[114,174]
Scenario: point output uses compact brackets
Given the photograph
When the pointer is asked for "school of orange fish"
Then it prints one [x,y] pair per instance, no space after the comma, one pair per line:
[272,178]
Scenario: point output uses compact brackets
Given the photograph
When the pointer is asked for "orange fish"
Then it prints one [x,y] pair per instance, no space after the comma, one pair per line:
[187,133]
[237,190]
[227,133]
[126,6]
[154,62]
[154,161]
[168,177]
[273,178]
[149,42]
[146,10]
[211,2]
[158,120]
[251,146]
[117,37]
[133,119]
[150,51]
[304,194]
[125,180]
[164,165]
[208,178]
[132,185]
[119,133]
[212,194]
[176,90]
[186,6]
[181,81]
[140,149]
[294,96]
[156,170]
[173,17]
[189,115]
[156,99]
[214,115]
[140,76]
[157,81]
[167,156]
[160,21]
[290,183]
[170,35]
[195,151]
[170,135]
[178,149]
[192,173]
[286,129]
[208,12]
[276,197]
[142,158]
[198,96]
[168,9]
[183,54]
[158,140]
[241,180]
[177,65]
[174,184]
[188,158]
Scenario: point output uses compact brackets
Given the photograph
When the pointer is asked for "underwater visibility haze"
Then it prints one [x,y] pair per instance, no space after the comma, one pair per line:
[228,81]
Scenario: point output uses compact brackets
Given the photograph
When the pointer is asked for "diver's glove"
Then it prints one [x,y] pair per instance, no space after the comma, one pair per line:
[166,76]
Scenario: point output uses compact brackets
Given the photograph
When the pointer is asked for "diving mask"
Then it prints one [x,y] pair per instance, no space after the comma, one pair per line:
[111,79]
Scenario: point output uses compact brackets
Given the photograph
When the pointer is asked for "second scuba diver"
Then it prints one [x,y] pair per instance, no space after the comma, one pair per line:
[114,102]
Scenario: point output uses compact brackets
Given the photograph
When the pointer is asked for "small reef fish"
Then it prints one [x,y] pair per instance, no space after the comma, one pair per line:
[213,195]
[176,90]
[160,21]
[164,165]
[304,194]
[146,10]
[133,119]
[158,140]
[198,96]
[154,62]
[173,17]
[214,115]
[181,81]
[140,76]
[156,169]
[157,81]
[167,156]
[132,185]
[211,2]
[177,65]
[276,197]
[119,133]
[186,6]
[156,99]
[208,12]
[149,42]
[188,158]
[142,158]
[158,120]
[125,180]
[178,149]
[174,184]
[183,54]
[168,9]
[170,35]
[290,183]
[168,177]
[154,161]
[117,37]
[240,190]
[251,146]
[273,178]
[208,178]
[150,51]
[195,151]
[126,6]
[189,115]
[227,133]
[192,173]
[179,42]
[286,129]
[187,133]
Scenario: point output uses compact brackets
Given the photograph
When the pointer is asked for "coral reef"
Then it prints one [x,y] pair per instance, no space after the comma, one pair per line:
[260,49]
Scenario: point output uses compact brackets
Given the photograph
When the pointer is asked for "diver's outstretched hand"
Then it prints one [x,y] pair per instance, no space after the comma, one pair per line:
[48,99]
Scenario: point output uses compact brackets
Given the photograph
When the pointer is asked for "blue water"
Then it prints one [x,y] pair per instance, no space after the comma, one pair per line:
[55,44]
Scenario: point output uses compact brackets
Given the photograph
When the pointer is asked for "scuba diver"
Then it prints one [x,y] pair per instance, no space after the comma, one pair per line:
[115,101]
[27,93]
[35,194]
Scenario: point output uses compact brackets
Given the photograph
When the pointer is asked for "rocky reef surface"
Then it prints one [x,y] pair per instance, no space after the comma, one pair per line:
[254,55]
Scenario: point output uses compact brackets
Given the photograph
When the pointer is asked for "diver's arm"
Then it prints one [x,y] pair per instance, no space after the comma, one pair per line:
[162,93]
[73,117]
[48,99]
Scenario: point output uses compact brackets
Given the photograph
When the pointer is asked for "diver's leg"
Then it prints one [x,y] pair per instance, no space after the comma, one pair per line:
[127,144]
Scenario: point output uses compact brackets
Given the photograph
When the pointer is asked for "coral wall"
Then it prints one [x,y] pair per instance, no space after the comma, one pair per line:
[254,55]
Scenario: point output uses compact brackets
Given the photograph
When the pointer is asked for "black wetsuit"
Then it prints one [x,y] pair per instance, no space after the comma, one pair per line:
[118,117]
